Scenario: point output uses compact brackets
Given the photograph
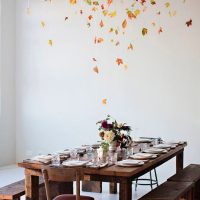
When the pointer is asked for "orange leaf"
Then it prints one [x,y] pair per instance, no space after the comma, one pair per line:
[73,2]
[100,40]
[130,14]
[109,2]
[124,24]
[119,61]
[105,12]
[104,101]
[101,24]
[130,46]
[90,17]
[96,69]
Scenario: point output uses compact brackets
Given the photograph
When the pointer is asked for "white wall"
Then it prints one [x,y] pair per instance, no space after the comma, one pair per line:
[59,97]
[7,85]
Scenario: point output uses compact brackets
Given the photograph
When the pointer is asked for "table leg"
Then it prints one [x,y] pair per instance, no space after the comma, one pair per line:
[31,187]
[179,161]
[113,187]
[125,192]
[92,186]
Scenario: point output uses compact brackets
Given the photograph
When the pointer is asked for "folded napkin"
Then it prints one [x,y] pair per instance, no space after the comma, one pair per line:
[96,166]
[42,158]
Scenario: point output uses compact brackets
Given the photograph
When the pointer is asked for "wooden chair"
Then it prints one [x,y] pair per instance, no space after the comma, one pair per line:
[58,174]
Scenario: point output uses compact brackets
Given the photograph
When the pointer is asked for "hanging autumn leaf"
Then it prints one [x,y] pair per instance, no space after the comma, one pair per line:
[50,42]
[96,3]
[88,24]
[144,31]
[105,12]
[116,32]
[94,9]
[167,5]
[130,14]
[130,47]
[113,14]
[81,12]
[90,17]
[158,13]
[160,30]
[43,24]
[189,23]
[119,61]
[153,24]
[102,7]
[89,2]
[109,2]
[124,24]
[142,2]
[73,2]
[117,43]
[104,101]
[100,40]
[94,59]
[125,67]
[137,12]
[111,30]
[96,69]
[101,24]
[66,18]
[153,2]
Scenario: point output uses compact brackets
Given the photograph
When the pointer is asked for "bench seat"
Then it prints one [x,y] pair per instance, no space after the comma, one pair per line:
[14,191]
[171,191]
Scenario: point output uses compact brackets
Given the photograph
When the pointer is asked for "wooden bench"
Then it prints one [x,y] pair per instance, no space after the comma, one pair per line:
[14,191]
[191,173]
[171,190]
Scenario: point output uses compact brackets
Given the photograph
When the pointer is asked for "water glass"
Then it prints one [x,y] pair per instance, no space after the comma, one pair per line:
[73,154]
[55,159]
[112,157]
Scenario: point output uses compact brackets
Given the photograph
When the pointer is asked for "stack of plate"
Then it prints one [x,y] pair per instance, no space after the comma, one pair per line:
[72,163]
[143,156]
[155,150]
[129,163]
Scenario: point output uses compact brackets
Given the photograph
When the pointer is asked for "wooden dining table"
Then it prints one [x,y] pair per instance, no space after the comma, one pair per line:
[114,174]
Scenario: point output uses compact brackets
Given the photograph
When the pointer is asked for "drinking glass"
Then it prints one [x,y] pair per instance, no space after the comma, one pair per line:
[112,157]
[73,154]
[55,159]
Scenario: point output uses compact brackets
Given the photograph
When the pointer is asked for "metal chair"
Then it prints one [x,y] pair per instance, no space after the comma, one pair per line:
[59,174]
[151,181]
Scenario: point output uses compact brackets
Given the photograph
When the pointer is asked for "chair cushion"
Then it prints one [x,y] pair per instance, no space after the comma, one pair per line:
[71,197]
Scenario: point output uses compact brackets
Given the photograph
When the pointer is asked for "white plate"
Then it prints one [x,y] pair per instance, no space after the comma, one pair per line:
[155,150]
[142,140]
[74,163]
[129,163]
[162,146]
[141,156]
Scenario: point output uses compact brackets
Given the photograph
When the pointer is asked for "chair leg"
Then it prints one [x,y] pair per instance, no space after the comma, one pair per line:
[136,183]
[156,178]
[151,184]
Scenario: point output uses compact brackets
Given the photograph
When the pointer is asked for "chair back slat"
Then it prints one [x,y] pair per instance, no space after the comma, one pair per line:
[51,173]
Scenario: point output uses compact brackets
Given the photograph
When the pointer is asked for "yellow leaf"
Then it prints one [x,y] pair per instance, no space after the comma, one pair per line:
[137,12]
[43,24]
[105,12]
[113,14]
[130,46]
[144,31]
[125,67]
[50,42]
[73,2]
[167,5]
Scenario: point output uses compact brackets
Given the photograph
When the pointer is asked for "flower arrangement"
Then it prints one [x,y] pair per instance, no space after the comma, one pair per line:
[110,130]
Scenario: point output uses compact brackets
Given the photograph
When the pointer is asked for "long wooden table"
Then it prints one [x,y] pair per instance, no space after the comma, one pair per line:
[122,175]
